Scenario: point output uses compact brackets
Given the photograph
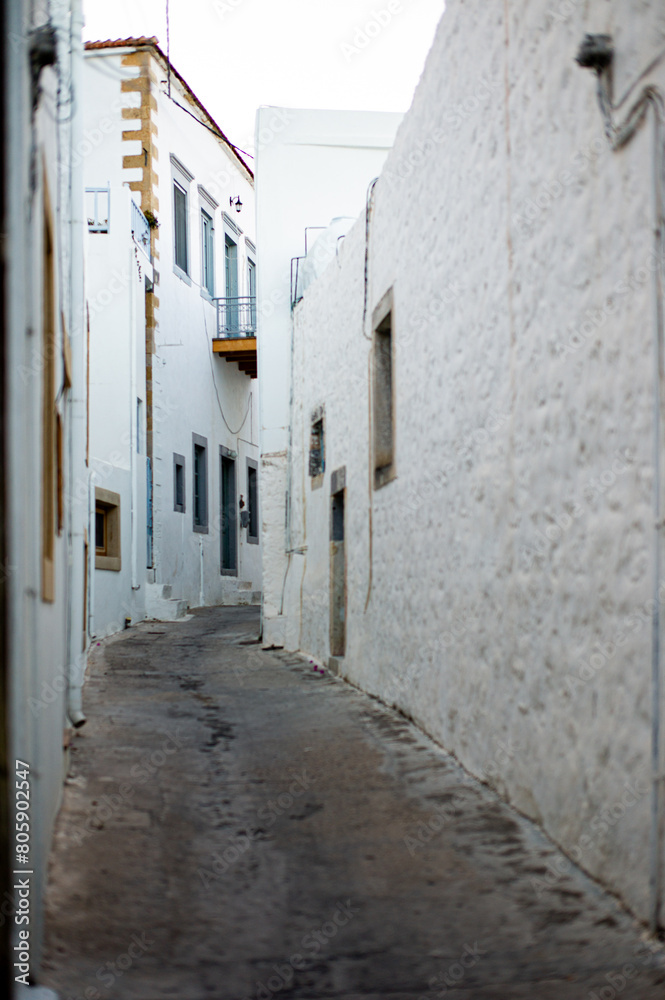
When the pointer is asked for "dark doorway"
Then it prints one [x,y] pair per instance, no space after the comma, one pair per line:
[337,576]
[229,517]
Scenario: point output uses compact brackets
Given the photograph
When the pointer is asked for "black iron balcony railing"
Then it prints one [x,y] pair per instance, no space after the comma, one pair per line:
[236,317]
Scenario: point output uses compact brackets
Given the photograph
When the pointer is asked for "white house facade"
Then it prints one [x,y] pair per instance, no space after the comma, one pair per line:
[475,436]
[119,275]
[43,570]
[312,167]
[187,403]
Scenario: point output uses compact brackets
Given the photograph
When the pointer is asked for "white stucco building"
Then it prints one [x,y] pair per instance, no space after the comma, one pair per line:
[312,167]
[44,536]
[174,408]
[473,451]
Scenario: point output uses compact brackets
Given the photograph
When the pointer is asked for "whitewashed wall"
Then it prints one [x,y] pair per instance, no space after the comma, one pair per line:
[312,166]
[498,587]
[46,641]
[190,387]
[116,273]
[194,392]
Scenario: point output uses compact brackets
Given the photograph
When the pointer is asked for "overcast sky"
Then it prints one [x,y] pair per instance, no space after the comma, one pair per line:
[239,54]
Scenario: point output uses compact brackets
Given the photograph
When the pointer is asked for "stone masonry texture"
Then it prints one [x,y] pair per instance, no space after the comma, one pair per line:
[237,824]
[499,584]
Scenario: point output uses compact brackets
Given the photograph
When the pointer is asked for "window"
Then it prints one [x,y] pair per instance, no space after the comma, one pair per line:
[107,530]
[97,203]
[229,513]
[231,283]
[179,483]
[200,484]
[207,251]
[253,502]
[382,391]
[317,460]
[231,267]
[338,596]
[180,227]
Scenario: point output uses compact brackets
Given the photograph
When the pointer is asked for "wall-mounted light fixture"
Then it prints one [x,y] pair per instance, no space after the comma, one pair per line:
[235,202]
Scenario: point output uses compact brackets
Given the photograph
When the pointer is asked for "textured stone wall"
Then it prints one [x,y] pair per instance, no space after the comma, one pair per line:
[498,585]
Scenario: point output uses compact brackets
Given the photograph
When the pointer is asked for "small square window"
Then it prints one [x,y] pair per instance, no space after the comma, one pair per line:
[107,530]
[97,204]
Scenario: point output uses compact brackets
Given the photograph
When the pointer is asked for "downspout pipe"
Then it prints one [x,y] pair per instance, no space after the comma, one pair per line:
[78,525]
[597,53]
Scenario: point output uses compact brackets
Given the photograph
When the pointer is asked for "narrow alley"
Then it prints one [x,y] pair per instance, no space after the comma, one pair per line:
[237,824]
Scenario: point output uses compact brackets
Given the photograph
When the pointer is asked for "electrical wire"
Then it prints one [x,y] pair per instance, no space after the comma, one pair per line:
[214,383]
[168,49]
[186,110]
[220,135]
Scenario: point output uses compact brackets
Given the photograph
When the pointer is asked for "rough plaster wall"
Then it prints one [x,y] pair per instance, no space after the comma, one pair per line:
[516,541]
[273,489]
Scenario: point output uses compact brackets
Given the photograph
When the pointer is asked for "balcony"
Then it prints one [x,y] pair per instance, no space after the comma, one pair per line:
[235,337]
[140,229]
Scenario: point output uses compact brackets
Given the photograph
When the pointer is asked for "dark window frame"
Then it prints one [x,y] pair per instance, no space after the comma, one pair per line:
[383,391]
[254,527]
[199,484]
[180,251]
[207,253]
[317,446]
[179,497]
[225,455]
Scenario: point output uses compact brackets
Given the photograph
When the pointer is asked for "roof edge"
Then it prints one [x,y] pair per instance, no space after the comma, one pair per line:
[151,42]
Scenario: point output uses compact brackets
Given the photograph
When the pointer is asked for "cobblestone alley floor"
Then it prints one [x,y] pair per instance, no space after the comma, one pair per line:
[237,826]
